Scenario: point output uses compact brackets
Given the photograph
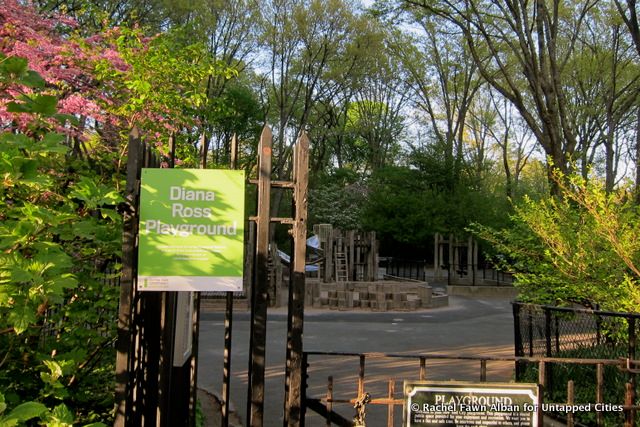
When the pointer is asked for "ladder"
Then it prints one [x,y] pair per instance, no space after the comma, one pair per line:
[341,267]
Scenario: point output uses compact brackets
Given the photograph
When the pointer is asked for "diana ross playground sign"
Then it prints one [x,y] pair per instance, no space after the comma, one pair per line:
[443,404]
[191,230]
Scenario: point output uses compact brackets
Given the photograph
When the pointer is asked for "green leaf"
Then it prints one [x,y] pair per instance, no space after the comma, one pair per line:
[15,107]
[18,139]
[25,412]
[33,79]
[21,317]
[29,169]
[53,143]
[61,416]
[64,118]
[14,65]
[47,105]
[54,368]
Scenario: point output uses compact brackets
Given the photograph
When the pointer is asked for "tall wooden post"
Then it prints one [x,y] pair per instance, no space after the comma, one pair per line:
[295,319]
[258,338]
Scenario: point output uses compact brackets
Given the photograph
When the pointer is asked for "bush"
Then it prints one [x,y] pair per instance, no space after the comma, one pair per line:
[59,233]
[581,247]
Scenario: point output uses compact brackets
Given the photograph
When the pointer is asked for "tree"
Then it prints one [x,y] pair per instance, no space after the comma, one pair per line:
[602,90]
[581,248]
[629,13]
[337,198]
[522,50]
[358,118]
[159,86]
[509,132]
[445,81]
[302,39]
[94,16]
[229,32]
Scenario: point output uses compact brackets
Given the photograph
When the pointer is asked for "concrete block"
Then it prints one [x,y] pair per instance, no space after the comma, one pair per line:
[412,297]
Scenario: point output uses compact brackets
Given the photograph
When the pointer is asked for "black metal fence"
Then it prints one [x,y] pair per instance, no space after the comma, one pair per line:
[578,334]
[405,268]
[480,274]
[560,331]
[337,398]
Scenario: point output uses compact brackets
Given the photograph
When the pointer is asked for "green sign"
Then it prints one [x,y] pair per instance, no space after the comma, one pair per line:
[191,230]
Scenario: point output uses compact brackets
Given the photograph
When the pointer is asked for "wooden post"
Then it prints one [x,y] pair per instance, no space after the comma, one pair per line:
[437,257]
[423,368]
[599,392]
[372,258]
[193,366]
[450,261]
[629,413]
[329,277]
[390,407]
[570,402]
[257,344]
[541,390]
[361,376]
[295,320]
[329,400]
[354,256]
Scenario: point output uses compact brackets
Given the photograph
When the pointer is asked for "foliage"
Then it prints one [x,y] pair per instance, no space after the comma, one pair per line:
[58,231]
[60,63]
[581,247]
[160,85]
[337,199]
[409,205]
[584,379]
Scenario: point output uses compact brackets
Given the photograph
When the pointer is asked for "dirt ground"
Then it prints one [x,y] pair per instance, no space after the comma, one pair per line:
[212,411]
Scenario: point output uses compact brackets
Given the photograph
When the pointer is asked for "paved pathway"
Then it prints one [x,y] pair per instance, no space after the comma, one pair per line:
[466,327]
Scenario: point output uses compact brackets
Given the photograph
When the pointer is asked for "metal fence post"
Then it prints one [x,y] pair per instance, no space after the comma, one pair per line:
[519,350]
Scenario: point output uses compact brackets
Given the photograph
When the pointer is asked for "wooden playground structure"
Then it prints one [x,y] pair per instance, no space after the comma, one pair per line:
[348,277]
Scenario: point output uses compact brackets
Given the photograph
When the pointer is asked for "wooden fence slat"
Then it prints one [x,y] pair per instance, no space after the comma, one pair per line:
[570,401]
[390,408]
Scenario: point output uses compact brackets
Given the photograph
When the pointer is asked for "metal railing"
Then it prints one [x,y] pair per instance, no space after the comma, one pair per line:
[332,403]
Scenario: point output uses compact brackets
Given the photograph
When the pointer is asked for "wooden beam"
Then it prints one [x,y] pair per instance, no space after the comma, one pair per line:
[295,319]
[259,299]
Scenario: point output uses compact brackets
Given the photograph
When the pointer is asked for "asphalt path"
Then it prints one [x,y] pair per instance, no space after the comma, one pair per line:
[467,327]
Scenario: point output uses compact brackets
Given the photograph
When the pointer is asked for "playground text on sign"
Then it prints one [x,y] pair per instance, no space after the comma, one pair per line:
[191,234]
[441,404]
